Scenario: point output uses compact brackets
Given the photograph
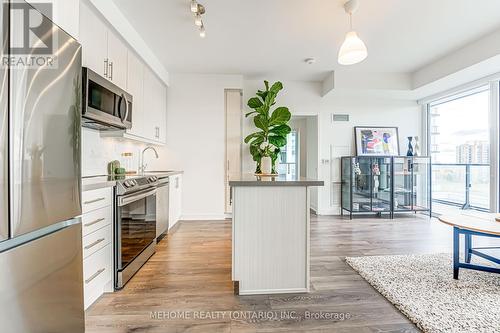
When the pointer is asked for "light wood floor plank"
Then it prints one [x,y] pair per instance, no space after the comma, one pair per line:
[191,271]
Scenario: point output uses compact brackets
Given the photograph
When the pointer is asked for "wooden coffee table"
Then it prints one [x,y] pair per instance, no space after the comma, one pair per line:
[484,226]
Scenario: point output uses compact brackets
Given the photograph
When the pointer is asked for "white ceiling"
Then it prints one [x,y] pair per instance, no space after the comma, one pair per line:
[273,37]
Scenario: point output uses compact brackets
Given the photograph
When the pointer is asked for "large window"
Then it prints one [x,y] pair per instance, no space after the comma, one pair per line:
[459,144]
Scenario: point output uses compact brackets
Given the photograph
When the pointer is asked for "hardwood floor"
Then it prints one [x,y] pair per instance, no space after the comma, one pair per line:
[190,275]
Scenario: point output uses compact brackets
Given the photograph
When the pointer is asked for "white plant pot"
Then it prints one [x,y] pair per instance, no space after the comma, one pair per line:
[266,165]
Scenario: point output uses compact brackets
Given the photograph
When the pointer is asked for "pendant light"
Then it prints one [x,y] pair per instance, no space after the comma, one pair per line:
[353,50]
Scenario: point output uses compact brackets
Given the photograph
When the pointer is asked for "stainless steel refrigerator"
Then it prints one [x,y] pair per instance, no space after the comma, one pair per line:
[41,287]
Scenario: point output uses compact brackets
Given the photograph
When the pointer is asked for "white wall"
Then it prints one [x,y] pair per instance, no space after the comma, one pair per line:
[196,140]
[97,152]
[195,133]
[337,138]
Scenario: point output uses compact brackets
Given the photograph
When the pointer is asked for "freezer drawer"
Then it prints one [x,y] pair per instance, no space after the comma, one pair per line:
[41,285]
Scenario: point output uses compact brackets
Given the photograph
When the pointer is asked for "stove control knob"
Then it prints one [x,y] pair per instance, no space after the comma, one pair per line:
[125,184]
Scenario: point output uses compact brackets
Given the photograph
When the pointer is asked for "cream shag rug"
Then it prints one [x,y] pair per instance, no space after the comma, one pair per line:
[423,289]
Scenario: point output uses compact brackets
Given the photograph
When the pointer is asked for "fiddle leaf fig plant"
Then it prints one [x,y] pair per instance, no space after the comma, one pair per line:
[272,125]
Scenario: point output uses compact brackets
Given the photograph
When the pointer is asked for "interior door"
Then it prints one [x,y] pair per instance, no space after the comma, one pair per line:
[233,100]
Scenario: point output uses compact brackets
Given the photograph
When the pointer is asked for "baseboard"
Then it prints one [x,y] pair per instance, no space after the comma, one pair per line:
[329,211]
[174,228]
[210,217]
[273,291]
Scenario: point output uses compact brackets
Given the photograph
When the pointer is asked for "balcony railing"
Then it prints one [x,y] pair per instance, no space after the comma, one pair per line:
[463,185]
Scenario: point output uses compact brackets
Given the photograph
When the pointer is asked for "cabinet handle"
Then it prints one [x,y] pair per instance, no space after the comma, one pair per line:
[111,70]
[93,276]
[92,201]
[106,67]
[94,222]
[94,243]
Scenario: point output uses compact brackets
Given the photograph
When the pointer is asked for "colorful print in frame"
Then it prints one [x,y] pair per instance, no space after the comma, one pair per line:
[376,141]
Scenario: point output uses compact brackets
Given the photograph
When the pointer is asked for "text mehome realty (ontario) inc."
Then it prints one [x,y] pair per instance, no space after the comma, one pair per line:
[250,315]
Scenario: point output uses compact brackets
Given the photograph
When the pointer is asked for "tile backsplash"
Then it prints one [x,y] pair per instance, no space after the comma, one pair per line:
[98,151]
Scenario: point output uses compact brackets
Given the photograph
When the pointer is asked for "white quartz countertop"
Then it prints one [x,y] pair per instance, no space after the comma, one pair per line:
[280,180]
[102,181]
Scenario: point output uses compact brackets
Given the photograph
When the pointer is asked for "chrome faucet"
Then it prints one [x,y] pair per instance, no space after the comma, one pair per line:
[143,166]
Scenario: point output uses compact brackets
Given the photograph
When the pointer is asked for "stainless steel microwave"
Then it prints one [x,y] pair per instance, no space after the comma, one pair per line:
[105,106]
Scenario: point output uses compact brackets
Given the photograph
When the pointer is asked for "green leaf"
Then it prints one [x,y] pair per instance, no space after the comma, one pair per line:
[271,96]
[280,116]
[254,136]
[266,83]
[254,103]
[262,94]
[249,113]
[282,130]
[278,141]
[276,87]
[260,121]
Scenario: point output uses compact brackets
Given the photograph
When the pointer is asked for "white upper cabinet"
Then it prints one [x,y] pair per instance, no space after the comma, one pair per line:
[117,57]
[103,51]
[64,13]
[107,54]
[155,104]
[94,39]
[135,86]
[162,113]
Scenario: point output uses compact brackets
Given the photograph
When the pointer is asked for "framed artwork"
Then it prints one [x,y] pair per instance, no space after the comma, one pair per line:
[376,141]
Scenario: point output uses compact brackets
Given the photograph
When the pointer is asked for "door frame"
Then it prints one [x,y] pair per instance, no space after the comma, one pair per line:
[227,196]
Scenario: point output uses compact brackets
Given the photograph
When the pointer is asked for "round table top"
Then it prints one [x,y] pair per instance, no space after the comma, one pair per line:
[485,223]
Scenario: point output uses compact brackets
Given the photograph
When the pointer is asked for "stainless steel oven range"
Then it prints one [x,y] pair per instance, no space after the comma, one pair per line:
[135,225]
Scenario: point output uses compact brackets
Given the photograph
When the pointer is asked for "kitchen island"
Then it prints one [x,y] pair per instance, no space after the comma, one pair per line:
[270,243]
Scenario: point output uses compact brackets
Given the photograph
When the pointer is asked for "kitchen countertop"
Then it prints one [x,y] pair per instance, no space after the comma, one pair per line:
[96,182]
[281,180]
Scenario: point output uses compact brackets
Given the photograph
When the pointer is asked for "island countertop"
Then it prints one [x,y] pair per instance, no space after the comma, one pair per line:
[281,180]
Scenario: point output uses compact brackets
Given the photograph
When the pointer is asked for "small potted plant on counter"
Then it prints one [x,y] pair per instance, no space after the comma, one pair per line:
[265,144]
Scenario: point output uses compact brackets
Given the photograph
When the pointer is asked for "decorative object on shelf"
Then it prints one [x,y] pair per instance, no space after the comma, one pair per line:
[376,141]
[376,173]
[198,10]
[353,50]
[416,146]
[410,146]
[356,169]
[395,184]
[273,128]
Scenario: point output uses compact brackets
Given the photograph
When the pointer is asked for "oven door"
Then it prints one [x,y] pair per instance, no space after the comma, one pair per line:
[135,226]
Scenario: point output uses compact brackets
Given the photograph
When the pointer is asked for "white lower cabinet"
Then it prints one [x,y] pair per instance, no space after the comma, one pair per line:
[97,243]
[174,199]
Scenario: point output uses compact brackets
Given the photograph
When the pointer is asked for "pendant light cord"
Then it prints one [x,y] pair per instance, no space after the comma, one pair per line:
[350,20]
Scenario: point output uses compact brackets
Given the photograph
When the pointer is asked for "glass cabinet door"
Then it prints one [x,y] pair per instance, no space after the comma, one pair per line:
[381,184]
[420,183]
[346,182]
[361,184]
[402,184]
